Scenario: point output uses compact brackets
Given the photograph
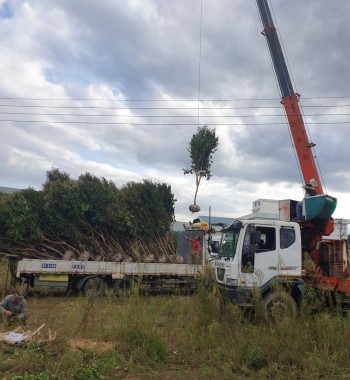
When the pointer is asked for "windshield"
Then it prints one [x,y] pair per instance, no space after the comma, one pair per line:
[229,243]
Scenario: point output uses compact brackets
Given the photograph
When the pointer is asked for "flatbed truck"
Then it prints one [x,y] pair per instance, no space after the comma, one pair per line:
[120,277]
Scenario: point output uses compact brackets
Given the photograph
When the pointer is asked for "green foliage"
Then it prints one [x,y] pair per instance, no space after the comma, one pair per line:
[202,146]
[151,344]
[150,208]
[85,212]
[98,199]
[254,356]
[36,376]
[18,220]
[55,175]
[62,207]
[155,350]
[90,372]
[72,203]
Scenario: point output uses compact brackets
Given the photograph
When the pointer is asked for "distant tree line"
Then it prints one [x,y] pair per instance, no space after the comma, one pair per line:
[87,215]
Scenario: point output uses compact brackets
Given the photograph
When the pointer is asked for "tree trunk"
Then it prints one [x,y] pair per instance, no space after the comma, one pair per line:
[198,181]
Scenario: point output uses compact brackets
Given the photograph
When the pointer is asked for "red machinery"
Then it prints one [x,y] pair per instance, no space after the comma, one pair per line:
[328,255]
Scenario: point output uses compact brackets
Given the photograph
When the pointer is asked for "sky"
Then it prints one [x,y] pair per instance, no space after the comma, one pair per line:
[118,88]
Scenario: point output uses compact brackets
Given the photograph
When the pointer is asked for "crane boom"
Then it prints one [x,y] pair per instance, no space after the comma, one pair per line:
[316,223]
[290,101]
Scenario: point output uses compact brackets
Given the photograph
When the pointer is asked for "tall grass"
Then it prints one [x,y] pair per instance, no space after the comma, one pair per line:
[177,337]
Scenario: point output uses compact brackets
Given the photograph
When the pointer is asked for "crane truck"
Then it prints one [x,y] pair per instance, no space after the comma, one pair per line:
[260,254]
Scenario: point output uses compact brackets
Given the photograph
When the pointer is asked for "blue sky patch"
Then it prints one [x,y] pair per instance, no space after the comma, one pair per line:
[5,10]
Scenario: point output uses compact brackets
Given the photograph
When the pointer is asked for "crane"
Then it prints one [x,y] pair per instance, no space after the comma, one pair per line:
[328,255]
[290,101]
[320,208]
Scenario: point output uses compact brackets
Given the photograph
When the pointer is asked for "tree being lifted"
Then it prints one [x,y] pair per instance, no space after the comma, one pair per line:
[202,146]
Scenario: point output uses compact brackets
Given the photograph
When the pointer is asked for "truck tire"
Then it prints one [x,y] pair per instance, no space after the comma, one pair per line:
[123,287]
[279,305]
[94,286]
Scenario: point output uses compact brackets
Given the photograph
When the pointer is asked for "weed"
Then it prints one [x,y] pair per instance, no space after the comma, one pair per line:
[148,343]
[91,372]
[155,350]
[254,356]
[36,376]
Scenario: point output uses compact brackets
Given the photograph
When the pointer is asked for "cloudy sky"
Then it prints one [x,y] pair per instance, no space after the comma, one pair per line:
[117,88]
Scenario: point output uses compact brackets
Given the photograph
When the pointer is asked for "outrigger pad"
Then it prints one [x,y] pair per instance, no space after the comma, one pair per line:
[319,207]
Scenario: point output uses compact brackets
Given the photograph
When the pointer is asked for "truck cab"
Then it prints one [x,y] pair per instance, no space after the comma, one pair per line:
[259,254]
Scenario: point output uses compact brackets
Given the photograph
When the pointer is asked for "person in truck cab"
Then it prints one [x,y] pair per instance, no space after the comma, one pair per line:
[14,308]
[309,192]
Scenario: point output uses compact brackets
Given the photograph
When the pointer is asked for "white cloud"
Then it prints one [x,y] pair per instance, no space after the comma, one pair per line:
[110,61]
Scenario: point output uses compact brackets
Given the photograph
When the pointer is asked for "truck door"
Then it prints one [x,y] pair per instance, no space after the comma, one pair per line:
[258,254]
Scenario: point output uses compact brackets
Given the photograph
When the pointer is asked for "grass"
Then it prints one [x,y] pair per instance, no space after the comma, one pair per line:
[174,337]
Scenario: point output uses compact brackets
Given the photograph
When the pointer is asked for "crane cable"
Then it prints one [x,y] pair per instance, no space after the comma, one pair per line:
[200,59]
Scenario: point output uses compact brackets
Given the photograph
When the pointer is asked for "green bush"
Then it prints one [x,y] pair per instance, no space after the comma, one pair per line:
[88,213]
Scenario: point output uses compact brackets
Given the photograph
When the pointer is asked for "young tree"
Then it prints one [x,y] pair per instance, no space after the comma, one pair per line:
[202,146]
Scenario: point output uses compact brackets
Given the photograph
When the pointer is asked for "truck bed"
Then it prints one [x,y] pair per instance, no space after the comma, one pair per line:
[116,270]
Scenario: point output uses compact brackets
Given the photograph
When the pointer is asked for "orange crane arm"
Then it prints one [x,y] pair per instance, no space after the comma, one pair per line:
[301,142]
[300,138]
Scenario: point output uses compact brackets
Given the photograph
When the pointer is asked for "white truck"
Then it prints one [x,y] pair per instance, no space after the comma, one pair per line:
[268,254]
[84,276]
[264,251]
[262,255]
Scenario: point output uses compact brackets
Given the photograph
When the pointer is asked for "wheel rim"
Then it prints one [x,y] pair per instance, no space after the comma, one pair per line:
[94,287]
[281,306]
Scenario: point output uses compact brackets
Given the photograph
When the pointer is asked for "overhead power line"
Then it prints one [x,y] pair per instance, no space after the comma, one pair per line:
[170,100]
[160,124]
[168,108]
[166,116]
[136,108]
[211,114]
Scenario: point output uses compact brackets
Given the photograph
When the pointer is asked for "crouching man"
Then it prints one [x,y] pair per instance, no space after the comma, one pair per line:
[14,308]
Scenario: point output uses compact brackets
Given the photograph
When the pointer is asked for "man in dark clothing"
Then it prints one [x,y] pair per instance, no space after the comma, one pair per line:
[14,308]
[309,192]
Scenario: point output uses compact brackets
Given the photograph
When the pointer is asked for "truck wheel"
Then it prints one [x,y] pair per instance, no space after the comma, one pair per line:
[279,305]
[94,286]
[123,287]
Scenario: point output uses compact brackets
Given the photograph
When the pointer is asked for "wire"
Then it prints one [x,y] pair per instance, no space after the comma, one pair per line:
[136,108]
[159,124]
[200,58]
[167,108]
[165,116]
[170,100]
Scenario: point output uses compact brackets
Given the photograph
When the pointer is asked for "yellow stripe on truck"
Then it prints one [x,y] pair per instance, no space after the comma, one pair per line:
[54,277]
